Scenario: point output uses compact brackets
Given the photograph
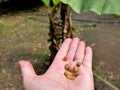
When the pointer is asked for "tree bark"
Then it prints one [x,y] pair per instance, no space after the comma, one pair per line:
[60,27]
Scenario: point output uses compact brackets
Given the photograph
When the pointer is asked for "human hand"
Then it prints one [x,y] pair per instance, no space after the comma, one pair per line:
[54,78]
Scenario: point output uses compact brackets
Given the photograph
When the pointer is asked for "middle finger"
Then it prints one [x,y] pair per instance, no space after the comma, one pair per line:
[72,50]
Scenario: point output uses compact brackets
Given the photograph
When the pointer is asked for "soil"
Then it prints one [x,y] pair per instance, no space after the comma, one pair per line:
[102,33]
[24,35]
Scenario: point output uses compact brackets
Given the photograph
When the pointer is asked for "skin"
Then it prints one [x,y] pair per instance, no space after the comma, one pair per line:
[54,78]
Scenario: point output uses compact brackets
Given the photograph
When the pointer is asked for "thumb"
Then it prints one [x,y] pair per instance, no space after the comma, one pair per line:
[27,70]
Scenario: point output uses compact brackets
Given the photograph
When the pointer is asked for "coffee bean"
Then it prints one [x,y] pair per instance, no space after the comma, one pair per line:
[66,73]
[65,58]
[68,67]
[78,64]
[71,77]
[75,68]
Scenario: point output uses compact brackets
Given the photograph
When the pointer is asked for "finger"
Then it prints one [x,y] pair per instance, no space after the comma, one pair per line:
[27,70]
[58,62]
[88,58]
[63,50]
[79,56]
[72,50]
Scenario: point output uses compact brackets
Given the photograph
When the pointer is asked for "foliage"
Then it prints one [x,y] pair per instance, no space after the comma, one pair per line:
[98,6]
[60,17]
[47,2]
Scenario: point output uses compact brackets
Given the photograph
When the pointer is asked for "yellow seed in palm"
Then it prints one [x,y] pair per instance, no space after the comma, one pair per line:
[78,64]
[75,68]
[65,58]
[66,73]
[67,67]
[75,74]
[71,77]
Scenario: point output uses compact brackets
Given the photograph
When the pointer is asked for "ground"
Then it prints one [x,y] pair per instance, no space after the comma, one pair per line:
[102,33]
[24,35]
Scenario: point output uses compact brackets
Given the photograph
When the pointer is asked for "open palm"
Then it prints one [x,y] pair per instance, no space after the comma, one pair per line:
[54,78]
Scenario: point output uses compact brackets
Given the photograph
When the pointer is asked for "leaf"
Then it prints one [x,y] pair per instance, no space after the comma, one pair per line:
[56,2]
[46,2]
[98,6]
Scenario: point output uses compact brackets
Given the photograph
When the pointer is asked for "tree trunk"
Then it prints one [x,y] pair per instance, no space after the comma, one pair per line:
[60,27]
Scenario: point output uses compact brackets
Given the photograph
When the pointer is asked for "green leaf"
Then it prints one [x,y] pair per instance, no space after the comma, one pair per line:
[46,2]
[98,6]
[56,2]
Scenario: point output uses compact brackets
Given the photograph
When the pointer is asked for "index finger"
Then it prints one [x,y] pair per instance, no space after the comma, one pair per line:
[63,50]
[58,62]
